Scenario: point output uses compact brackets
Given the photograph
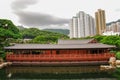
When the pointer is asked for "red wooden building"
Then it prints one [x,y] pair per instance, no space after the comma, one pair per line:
[65,52]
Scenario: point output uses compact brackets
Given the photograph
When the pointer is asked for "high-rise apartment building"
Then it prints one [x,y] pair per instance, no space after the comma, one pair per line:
[100,21]
[75,26]
[82,25]
[115,27]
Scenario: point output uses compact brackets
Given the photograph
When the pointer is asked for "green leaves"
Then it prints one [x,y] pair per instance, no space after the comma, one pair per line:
[45,39]
[8,25]
[7,30]
[99,38]
[112,40]
[42,37]
[118,55]
[31,33]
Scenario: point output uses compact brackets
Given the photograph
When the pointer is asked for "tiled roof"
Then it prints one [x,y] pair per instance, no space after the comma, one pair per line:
[59,46]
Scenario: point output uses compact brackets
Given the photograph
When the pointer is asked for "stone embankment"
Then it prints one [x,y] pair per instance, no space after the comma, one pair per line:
[4,64]
[113,64]
[118,63]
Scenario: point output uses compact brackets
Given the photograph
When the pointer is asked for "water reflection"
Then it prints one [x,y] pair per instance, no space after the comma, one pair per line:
[30,73]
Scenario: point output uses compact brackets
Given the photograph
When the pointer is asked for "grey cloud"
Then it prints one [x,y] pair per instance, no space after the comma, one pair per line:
[39,19]
[22,4]
[29,18]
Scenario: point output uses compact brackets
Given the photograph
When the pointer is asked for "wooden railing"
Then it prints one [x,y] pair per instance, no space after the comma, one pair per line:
[59,57]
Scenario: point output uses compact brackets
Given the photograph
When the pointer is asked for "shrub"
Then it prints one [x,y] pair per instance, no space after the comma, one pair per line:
[118,55]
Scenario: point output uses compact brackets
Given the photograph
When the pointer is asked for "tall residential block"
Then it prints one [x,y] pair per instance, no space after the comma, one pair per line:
[115,27]
[82,25]
[74,27]
[100,21]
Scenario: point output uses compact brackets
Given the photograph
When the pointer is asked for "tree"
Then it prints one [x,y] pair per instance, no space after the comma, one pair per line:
[45,39]
[118,44]
[7,30]
[99,37]
[110,40]
[31,33]
[118,55]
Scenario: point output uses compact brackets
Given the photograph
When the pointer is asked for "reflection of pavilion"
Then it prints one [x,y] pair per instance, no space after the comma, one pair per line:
[68,51]
[38,73]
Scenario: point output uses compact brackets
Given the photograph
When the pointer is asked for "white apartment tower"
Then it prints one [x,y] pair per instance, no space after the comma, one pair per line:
[74,27]
[82,25]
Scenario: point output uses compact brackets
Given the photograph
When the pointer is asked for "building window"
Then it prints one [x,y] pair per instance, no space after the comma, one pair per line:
[57,52]
[93,51]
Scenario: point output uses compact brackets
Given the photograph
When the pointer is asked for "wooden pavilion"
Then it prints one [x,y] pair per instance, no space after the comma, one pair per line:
[65,52]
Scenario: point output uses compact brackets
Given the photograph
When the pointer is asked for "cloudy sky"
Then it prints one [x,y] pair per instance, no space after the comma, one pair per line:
[54,13]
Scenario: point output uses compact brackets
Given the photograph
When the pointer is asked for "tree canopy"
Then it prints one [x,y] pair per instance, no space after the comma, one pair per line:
[41,36]
[7,30]
[31,33]
[45,39]
[62,31]
[111,40]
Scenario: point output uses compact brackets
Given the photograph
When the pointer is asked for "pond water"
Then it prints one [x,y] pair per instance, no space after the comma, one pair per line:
[59,73]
